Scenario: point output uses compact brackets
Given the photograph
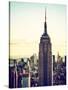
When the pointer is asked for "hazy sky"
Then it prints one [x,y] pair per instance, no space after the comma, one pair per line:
[27,26]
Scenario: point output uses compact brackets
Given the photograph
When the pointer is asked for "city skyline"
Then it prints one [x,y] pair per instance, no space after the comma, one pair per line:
[27,26]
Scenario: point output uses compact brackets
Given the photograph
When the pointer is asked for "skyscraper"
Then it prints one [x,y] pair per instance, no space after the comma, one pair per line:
[45,59]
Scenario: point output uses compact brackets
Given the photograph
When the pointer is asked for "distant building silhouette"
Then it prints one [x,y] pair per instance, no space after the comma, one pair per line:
[54,58]
[59,71]
[65,58]
[45,59]
[54,62]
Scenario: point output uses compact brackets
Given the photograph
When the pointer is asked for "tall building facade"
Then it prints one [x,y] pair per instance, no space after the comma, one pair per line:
[45,59]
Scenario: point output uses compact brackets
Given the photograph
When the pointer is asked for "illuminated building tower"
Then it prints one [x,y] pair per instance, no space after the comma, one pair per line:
[45,59]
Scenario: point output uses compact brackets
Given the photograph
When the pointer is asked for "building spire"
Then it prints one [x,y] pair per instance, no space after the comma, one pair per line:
[45,15]
[45,24]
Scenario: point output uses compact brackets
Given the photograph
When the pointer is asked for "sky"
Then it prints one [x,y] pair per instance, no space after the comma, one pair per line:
[27,26]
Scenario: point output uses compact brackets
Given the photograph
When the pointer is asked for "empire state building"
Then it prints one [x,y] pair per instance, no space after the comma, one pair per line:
[45,59]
